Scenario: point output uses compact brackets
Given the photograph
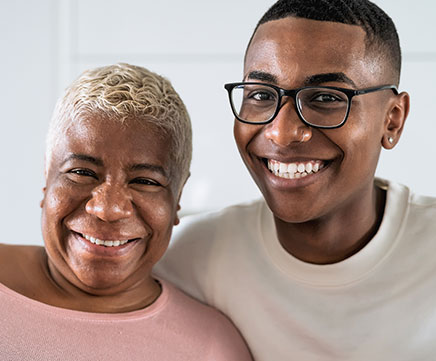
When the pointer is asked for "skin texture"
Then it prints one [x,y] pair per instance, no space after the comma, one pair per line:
[328,216]
[112,182]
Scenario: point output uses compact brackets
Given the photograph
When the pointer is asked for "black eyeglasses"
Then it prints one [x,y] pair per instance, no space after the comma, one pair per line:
[317,106]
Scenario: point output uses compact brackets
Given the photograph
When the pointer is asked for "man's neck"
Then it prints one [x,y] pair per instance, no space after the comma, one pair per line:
[337,236]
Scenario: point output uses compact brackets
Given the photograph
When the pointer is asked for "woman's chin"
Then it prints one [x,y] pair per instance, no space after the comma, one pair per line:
[101,284]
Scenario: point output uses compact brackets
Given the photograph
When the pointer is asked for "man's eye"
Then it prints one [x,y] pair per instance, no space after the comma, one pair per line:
[326,98]
[261,95]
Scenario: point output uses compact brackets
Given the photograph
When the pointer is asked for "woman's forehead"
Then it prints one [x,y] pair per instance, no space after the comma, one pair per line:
[109,139]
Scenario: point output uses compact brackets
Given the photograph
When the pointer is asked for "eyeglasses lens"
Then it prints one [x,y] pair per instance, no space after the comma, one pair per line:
[322,106]
[254,103]
[318,106]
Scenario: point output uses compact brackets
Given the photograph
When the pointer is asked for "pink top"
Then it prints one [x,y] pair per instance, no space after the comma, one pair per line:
[174,327]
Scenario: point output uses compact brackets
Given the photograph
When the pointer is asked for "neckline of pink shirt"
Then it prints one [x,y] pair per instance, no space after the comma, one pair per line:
[146,312]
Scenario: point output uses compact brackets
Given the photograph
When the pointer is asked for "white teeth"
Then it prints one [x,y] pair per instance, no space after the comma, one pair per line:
[301,167]
[276,167]
[309,167]
[294,170]
[105,243]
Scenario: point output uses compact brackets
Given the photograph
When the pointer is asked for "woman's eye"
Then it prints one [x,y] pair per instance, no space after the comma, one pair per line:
[83,172]
[145,181]
[81,176]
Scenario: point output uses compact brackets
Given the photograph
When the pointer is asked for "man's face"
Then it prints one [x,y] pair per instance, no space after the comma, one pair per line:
[340,163]
[114,184]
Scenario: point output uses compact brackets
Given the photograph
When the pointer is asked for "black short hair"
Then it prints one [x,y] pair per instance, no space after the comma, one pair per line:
[381,34]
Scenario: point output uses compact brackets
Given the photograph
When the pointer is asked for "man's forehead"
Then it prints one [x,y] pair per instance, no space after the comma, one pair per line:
[295,35]
[292,46]
[309,29]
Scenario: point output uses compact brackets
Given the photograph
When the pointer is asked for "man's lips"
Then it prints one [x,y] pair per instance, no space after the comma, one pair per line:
[294,170]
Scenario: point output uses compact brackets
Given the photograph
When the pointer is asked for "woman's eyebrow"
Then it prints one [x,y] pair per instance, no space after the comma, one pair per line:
[150,167]
[85,158]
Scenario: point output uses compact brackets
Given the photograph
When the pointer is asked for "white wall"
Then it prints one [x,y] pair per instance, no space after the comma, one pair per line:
[199,46]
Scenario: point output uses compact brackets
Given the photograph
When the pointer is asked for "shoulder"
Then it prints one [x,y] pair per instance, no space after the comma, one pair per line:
[198,242]
[406,199]
[213,331]
[423,201]
[422,213]
[17,263]
[17,256]
[410,215]
[209,223]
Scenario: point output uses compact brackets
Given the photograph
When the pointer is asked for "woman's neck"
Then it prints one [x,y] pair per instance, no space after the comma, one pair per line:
[62,293]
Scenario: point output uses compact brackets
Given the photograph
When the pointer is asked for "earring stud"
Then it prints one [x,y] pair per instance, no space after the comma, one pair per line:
[390,140]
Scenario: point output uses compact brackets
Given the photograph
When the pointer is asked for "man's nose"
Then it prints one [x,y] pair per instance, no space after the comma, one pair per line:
[110,203]
[287,127]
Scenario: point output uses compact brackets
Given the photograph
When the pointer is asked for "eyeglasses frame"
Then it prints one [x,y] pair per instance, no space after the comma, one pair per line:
[350,93]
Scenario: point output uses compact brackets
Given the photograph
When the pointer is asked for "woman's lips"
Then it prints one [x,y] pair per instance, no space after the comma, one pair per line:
[106,243]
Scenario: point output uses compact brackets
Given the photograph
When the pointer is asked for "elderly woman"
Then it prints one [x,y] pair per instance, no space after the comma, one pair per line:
[118,155]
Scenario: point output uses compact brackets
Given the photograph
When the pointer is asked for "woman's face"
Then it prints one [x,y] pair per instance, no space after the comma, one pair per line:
[109,204]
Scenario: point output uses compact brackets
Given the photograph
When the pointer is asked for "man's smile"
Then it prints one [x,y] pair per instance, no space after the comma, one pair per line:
[294,169]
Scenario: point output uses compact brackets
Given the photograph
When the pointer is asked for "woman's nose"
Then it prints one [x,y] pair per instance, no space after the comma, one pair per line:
[110,203]
[287,127]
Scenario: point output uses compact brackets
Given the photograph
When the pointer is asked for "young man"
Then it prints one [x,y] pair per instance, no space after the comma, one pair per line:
[332,264]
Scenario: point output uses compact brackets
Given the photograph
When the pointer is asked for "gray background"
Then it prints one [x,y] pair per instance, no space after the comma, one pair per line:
[198,45]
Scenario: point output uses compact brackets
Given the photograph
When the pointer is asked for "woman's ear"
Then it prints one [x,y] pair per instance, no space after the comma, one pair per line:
[177,219]
[41,204]
[395,119]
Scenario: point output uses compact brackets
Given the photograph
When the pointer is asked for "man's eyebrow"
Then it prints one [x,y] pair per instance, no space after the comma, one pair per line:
[318,79]
[261,76]
[84,157]
[150,167]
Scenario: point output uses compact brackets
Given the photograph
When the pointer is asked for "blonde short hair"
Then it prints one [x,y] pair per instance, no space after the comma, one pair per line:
[122,92]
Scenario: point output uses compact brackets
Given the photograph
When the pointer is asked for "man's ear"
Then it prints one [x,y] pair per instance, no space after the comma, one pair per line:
[177,219]
[41,204]
[395,119]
